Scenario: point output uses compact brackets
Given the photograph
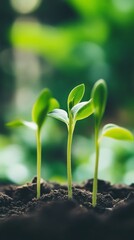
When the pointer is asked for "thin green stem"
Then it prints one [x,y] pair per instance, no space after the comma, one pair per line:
[38,139]
[95,181]
[69,147]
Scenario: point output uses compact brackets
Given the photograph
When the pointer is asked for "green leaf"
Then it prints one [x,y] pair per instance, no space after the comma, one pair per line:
[82,110]
[60,115]
[41,107]
[116,132]
[99,96]
[53,103]
[75,96]
[20,123]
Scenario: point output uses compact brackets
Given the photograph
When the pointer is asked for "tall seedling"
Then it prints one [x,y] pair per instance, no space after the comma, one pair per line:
[76,111]
[44,104]
[99,97]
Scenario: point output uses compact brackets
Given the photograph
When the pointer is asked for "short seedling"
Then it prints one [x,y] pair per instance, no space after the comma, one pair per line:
[99,97]
[44,104]
[76,111]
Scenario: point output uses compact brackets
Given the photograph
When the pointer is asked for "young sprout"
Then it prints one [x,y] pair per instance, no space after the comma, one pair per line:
[76,111]
[44,104]
[99,96]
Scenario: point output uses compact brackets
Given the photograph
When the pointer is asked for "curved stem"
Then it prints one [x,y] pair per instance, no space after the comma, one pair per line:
[95,183]
[69,147]
[38,161]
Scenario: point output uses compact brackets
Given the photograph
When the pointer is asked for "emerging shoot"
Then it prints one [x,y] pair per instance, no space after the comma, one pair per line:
[76,111]
[44,104]
[99,96]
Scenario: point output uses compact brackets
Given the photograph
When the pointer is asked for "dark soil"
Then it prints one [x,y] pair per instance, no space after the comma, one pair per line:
[54,217]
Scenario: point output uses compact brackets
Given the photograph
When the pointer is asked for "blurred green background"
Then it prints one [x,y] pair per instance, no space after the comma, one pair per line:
[59,44]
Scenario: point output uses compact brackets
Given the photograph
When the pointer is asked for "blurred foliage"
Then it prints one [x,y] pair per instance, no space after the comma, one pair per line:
[59,44]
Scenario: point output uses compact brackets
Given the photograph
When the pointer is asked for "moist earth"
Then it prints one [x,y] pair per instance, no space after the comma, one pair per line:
[54,217]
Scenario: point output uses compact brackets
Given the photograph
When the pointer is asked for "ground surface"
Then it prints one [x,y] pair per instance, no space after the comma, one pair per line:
[54,217]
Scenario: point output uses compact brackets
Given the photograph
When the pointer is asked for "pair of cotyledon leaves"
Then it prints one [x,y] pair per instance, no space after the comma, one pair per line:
[99,96]
[47,105]
[76,110]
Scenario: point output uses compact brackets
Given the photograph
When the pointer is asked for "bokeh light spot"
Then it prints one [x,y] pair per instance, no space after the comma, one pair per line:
[18,173]
[123,5]
[24,6]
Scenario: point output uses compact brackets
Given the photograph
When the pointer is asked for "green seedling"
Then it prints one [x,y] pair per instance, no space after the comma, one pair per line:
[99,97]
[43,105]
[76,111]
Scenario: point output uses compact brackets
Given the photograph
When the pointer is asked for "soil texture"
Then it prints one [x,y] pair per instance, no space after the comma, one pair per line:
[54,217]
